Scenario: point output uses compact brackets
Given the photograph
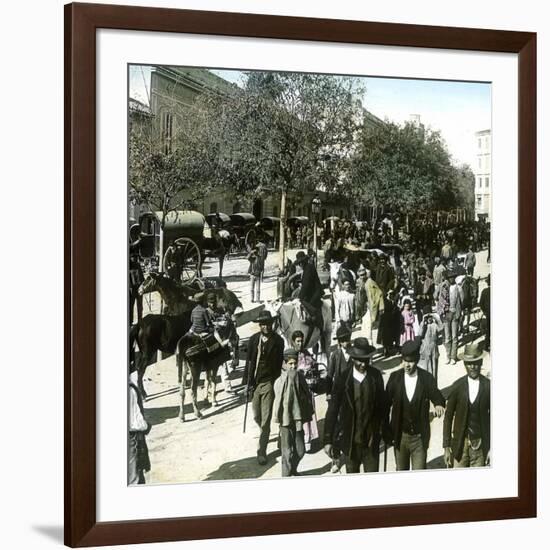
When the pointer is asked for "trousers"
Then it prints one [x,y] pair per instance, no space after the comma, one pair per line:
[450,325]
[411,452]
[361,454]
[255,281]
[472,455]
[292,449]
[262,408]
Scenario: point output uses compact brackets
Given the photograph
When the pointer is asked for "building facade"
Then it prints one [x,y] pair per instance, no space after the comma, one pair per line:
[483,177]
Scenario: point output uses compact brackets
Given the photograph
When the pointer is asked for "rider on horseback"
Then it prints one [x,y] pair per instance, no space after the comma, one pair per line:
[310,292]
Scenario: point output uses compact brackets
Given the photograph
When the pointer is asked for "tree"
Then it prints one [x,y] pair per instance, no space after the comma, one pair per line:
[176,177]
[285,133]
[407,166]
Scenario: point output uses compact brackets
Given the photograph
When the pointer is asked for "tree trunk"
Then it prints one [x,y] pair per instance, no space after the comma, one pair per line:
[282,231]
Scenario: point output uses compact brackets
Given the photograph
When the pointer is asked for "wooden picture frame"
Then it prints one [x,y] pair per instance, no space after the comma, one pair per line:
[81,23]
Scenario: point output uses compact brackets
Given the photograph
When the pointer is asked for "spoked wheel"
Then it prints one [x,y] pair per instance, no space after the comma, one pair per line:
[191,259]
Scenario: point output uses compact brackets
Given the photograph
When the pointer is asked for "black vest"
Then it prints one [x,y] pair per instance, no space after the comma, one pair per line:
[262,373]
[411,411]
[474,418]
[361,402]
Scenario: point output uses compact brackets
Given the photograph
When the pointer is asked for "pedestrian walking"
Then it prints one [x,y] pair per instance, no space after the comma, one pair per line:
[307,366]
[263,366]
[407,323]
[485,306]
[345,306]
[449,308]
[467,423]
[429,350]
[255,270]
[470,261]
[138,428]
[357,409]
[409,392]
[292,410]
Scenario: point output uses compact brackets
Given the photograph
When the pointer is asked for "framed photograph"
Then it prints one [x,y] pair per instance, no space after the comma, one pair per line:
[285,240]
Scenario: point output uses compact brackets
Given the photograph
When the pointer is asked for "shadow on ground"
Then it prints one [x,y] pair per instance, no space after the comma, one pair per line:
[52,532]
[245,468]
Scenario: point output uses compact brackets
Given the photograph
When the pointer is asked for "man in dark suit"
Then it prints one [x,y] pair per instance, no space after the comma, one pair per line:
[410,391]
[357,409]
[311,290]
[264,361]
[339,361]
[467,424]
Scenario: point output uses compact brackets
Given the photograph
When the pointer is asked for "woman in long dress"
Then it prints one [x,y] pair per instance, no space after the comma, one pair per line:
[306,364]
[407,330]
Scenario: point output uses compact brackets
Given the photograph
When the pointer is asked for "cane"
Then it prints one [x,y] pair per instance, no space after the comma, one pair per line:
[385,458]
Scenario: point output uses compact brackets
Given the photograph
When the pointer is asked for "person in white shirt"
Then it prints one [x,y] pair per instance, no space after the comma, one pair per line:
[410,391]
[467,423]
[345,307]
[138,427]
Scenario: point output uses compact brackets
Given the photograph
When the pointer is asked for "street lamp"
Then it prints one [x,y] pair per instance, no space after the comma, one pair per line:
[315,210]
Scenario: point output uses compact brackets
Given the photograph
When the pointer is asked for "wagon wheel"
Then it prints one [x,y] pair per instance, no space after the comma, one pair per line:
[190,259]
[250,240]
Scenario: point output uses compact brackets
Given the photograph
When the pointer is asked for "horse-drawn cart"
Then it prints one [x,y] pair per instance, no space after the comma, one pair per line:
[244,229]
[183,228]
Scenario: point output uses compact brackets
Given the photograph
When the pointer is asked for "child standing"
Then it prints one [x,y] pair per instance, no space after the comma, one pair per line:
[292,408]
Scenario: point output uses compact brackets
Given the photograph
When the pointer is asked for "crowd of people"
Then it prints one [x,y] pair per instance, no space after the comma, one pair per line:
[363,413]
[400,293]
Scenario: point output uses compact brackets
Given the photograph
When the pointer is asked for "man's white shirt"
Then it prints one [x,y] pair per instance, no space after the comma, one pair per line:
[410,384]
[473,388]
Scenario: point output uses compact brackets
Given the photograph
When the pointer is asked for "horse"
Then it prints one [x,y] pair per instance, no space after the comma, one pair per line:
[205,360]
[176,296]
[289,319]
[177,300]
[157,333]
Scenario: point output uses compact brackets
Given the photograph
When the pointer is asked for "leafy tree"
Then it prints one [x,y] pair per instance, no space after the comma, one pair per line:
[406,166]
[167,178]
[285,133]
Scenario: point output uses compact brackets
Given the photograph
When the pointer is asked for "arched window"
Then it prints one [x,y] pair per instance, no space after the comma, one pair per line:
[213,207]
[236,207]
[275,211]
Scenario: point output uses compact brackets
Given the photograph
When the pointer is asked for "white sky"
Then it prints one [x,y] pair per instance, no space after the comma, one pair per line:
[456,109]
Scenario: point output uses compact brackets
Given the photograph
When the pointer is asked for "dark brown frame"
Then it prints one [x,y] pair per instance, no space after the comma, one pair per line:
[81,23]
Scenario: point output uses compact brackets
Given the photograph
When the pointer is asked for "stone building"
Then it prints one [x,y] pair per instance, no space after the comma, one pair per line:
[482,172]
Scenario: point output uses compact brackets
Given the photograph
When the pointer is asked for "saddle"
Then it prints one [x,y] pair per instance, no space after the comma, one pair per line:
[209,343]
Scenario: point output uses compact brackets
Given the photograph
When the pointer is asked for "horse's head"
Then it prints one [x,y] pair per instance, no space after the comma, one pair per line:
[149,285]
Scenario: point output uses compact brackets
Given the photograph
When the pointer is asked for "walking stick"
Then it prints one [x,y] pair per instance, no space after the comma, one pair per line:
[246,402]
[385,457]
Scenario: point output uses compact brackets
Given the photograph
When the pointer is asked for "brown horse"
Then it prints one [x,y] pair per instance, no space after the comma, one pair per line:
[209,362]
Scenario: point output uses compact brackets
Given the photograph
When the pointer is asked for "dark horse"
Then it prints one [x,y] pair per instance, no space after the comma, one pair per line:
[163,332]
[217,246]
[157,333]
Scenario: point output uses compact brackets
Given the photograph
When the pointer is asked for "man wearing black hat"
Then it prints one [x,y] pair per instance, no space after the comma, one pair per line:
[339,361]
[357,408]
[467,424]
[263,366]
[311,291]
[410,391]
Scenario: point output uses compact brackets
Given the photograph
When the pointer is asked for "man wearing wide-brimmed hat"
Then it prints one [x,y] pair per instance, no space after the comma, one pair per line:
[357,409]
[263,366]
[339,361]
[467,424]
[410,391]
